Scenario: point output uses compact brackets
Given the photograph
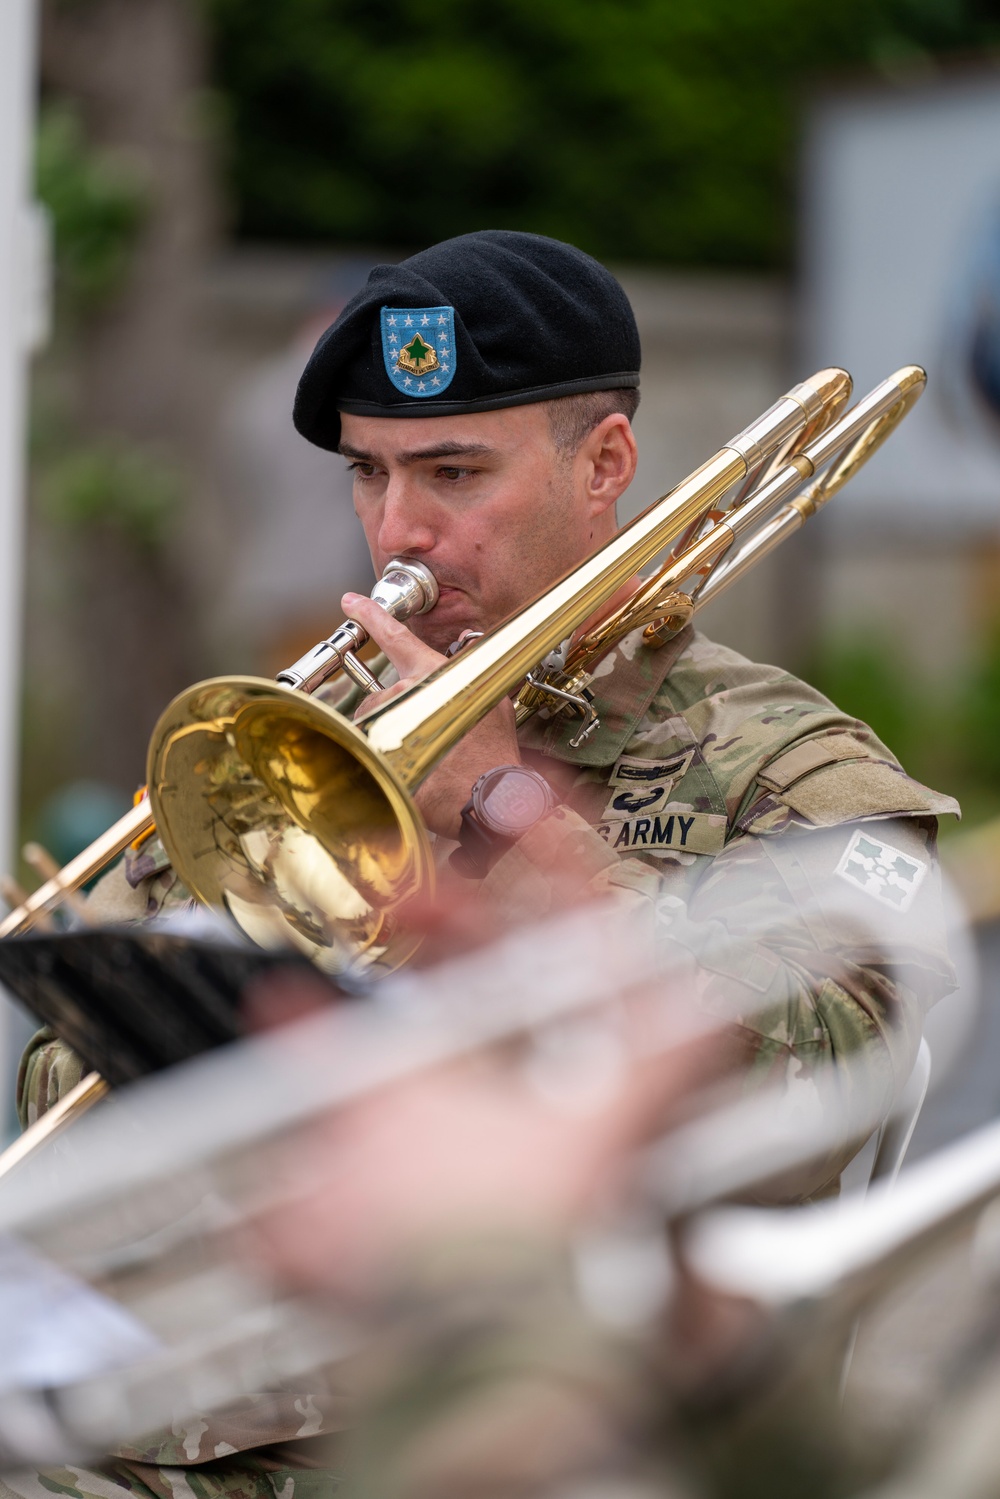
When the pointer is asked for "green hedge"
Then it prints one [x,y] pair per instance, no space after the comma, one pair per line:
[653,130]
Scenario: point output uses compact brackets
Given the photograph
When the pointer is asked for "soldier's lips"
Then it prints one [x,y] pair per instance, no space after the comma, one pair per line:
[447,594]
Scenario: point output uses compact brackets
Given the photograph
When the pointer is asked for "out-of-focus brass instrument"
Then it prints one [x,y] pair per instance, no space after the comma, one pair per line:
[148,1203]
[302,825]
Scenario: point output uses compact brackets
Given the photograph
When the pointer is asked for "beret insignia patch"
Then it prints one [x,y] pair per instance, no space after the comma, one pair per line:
[418,346]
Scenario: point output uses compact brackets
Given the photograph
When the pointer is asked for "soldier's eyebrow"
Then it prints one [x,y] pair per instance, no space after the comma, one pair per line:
[424,455]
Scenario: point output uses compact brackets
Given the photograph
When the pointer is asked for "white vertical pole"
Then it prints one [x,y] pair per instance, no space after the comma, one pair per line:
[18,303]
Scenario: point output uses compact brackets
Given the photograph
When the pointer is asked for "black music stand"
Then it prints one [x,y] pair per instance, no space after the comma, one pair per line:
[133,1000]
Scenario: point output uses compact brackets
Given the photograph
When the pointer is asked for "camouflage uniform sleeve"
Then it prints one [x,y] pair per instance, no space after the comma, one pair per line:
[810,965]
[48,1070]
[815,967]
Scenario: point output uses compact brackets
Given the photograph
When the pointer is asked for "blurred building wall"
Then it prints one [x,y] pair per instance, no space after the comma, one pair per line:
[901,264]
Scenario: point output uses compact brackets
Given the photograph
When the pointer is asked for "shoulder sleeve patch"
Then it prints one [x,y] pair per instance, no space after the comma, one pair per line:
[881,870]
[802,759]
[847,791]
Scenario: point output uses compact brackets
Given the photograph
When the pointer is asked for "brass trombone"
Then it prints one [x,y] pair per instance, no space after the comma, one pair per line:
[302,825]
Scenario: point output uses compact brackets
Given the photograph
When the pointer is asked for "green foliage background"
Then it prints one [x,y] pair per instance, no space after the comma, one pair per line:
[96,207]
[653,130]
[946,736]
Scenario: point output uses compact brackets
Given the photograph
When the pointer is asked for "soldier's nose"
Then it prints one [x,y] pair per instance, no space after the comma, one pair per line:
[404,528]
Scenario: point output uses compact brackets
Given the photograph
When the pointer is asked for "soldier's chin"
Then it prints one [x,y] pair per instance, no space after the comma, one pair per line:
[446,622]
[442,634]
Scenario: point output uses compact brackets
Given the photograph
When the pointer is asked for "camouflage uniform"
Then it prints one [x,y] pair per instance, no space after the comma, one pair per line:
[789,860]
[248,1476]
[745,810]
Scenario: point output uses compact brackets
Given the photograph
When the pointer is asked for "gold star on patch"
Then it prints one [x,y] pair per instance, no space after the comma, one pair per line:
[417,356]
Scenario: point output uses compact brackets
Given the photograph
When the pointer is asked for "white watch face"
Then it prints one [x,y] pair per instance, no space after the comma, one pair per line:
[513,802]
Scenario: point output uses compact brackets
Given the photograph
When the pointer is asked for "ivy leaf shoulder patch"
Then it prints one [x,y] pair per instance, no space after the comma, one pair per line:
[881,871]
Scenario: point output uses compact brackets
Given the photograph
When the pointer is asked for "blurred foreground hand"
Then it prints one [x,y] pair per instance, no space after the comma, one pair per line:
[476,1149]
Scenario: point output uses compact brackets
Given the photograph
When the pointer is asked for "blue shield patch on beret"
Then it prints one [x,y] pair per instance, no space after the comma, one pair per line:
[418,346]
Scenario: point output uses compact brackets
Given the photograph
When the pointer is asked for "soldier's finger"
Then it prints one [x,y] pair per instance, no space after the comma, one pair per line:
[410,656]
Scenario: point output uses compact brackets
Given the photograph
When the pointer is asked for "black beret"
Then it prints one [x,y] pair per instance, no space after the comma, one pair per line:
[485,320]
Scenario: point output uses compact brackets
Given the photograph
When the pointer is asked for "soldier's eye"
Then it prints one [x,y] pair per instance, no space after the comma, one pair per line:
[361,470]
[455,475]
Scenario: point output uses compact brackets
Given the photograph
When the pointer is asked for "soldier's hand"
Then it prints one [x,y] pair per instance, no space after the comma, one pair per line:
[492,742]
[448,1154]
[473,1150]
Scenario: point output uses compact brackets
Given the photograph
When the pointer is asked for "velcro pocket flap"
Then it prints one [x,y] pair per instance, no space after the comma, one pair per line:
[812,754]
[857,789]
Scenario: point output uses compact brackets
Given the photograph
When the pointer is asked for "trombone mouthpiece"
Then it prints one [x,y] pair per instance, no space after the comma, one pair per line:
[404,589]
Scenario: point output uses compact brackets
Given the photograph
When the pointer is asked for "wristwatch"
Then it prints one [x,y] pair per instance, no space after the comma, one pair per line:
[504,804]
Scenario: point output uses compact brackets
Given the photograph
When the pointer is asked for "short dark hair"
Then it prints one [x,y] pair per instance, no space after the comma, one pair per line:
[572,418]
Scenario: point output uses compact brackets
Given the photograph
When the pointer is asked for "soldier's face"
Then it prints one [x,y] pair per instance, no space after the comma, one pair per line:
[487,501]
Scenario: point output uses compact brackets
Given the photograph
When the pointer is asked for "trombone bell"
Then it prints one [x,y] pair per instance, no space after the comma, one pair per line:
[276,808]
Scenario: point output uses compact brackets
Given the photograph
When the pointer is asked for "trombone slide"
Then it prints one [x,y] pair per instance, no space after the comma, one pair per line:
[137,821]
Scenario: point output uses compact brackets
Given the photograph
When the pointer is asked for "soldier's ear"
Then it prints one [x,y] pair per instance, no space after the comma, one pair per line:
[610,456]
